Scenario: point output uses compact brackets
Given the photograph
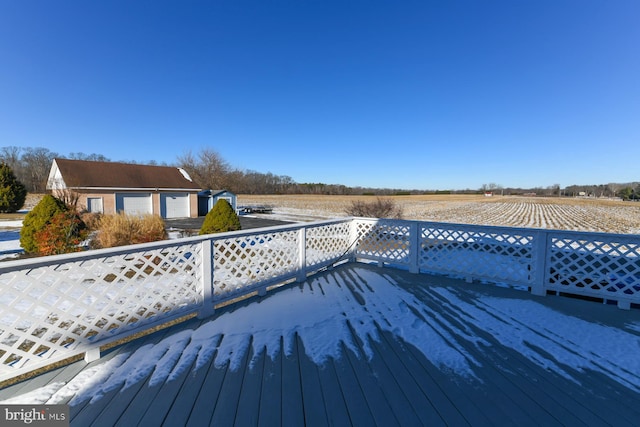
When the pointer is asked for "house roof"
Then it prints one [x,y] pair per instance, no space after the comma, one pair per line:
[90,174]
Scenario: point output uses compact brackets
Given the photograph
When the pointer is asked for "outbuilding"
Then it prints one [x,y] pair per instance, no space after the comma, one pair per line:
[207,199]
[111,187]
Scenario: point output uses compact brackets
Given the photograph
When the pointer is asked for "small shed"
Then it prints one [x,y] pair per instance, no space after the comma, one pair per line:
[207,199]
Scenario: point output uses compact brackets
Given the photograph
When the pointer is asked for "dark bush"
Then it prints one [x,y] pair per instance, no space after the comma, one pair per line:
[380,208]
[13,193]
[220,219]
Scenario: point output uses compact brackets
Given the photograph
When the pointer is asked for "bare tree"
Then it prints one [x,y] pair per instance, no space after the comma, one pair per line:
[10,156]
[91,157]
[613,188]
[207,169]
[36,165]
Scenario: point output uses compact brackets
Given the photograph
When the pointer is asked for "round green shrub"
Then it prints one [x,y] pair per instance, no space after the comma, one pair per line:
[13,193]
[37,220]
[220,219]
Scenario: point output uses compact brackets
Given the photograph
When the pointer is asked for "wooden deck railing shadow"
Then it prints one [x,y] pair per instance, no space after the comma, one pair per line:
[58,307]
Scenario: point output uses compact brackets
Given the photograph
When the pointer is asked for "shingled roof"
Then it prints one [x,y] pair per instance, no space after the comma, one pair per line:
[82,174]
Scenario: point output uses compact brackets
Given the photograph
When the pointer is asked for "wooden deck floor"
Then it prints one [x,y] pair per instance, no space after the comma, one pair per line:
[387,348]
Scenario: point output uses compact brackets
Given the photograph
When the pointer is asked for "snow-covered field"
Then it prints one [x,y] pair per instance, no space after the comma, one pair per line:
[598,215]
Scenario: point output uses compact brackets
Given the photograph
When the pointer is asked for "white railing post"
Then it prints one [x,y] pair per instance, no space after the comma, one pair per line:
[206,272]
[414,248]
[301,274]
[353,237]
[539,263]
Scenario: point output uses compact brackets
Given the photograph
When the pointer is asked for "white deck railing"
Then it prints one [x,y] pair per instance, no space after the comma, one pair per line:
[54,308]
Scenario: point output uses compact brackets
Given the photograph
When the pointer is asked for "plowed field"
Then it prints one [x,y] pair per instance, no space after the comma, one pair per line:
[554,213]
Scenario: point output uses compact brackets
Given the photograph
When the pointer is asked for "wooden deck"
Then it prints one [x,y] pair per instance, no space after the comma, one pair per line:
[361,345]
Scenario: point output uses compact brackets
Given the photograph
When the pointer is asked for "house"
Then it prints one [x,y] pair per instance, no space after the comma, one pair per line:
[109,187]
[207,199]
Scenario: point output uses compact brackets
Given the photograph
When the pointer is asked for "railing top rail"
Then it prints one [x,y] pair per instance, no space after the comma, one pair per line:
[509,228]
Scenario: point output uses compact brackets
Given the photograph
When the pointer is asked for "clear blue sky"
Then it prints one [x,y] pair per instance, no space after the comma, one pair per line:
[401,94]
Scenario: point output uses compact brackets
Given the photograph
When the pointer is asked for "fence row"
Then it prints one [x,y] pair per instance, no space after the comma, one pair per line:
[53,308]
[598,265]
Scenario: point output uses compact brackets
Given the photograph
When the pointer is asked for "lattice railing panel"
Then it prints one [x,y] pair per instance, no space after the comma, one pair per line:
[384,240]
[54,308]
[327,243]
[245,261]
[504,255]
[605,266]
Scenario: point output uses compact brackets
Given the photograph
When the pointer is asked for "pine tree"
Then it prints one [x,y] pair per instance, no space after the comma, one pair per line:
[220,219]
[37,220]
[13,193]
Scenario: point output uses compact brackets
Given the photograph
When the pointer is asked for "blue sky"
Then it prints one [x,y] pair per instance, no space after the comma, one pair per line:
[398,94]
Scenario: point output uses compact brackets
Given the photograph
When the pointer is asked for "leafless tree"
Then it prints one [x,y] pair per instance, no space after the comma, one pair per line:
[207,169]
[36,165]
[91,157]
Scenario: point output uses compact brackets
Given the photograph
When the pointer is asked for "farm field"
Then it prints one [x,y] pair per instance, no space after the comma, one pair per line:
[609,216]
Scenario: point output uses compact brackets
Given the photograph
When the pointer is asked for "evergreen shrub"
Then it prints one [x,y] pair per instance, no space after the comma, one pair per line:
[220,219]
[37,219]
[13,193]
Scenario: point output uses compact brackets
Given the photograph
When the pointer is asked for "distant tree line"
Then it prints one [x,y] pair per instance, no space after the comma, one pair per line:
[209,170]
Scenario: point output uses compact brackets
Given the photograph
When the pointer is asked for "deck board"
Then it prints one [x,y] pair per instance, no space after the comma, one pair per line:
[311,391]
[292,404]
[196,405]
[409,406]
[271,396]
[248,410]
[373,391]
[228,401]
[334,398]
[386,381]
[152,407]
[357,406]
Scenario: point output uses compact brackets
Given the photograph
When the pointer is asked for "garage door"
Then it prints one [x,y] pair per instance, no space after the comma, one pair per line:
[174,205]
[134,203]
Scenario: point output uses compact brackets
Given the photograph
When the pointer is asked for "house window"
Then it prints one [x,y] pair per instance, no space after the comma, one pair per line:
[94,204]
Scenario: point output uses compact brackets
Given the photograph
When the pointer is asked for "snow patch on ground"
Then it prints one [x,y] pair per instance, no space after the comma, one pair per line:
[9,238]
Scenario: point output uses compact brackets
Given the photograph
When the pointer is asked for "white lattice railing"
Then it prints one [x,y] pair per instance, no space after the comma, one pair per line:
[53,308]
[599,265]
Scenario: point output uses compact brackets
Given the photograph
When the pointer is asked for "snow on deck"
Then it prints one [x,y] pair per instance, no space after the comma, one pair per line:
[362,344]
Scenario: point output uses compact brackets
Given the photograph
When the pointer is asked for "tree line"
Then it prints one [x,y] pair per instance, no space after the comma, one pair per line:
[210,170]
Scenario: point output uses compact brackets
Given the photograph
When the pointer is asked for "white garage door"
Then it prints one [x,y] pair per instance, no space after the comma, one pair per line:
[174,205]
[134,203]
